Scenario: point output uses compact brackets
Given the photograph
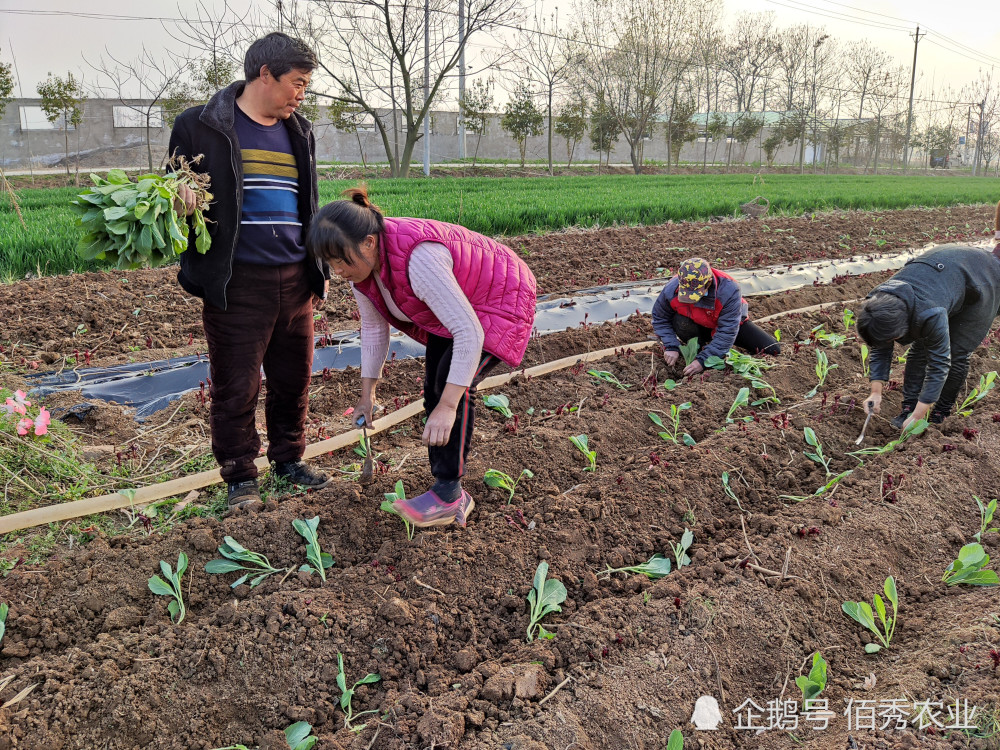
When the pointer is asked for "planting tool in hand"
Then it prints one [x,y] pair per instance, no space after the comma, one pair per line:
[864,427]
[367,471]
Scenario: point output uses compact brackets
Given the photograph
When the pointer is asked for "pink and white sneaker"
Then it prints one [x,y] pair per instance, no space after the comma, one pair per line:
[429,510]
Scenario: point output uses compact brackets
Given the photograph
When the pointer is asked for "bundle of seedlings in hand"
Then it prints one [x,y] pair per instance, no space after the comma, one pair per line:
[675,422]
[237,557]
[690,350]
[970,568]
[986,383]
[580,441]
[319,560]
[398,493]
[498,402]
[135,224]
[680,550]
[544,597]
[813,684]
[607,377]
[823,368]
[172,589]
[654,568]
[347,693]
[817,453]
[986,511]
[861,612]
[497,478]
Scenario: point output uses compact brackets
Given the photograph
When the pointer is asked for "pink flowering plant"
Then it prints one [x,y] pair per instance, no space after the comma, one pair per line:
[17,414]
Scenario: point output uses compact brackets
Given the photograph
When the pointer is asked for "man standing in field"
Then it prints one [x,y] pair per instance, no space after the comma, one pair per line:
[258,284]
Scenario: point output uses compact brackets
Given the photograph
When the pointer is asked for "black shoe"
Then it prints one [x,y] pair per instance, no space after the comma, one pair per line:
[302,474]
[242,494]
[897,421]
[936,417]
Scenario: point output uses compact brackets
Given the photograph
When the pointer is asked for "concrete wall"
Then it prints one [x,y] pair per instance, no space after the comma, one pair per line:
[101,144]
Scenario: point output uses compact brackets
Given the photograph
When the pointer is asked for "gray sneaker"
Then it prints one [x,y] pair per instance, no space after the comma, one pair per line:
[242,494]
[302,474]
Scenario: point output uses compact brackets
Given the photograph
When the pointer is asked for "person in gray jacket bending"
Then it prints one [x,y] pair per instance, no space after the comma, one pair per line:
[943,304]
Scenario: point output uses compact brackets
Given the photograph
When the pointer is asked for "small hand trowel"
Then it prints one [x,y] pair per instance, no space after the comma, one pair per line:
[864,427]
[367,470]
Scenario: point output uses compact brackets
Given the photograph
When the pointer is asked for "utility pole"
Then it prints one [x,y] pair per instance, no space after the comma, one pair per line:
[979,139]
[427,88]
[909,115]
[461,76]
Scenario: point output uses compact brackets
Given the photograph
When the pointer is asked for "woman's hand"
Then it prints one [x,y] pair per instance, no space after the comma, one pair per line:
[437,431]
[873,404]
[670,357]
[694,368]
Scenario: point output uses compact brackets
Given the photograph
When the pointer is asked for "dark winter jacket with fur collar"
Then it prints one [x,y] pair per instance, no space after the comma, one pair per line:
[208,130]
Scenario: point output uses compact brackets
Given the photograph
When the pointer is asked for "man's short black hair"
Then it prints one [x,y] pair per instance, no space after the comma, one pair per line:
[882,319]
[280,53]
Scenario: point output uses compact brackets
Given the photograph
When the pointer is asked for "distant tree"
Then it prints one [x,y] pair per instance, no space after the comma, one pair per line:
[681,127]
[604,129]
[475,107]
[771,145]
[62,102]
[521,117]
[745,129]
[571,124]
[6,86]
[717,125]
[346,119]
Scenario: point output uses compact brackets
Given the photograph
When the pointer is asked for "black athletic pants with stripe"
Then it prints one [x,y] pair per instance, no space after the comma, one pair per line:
[448,461]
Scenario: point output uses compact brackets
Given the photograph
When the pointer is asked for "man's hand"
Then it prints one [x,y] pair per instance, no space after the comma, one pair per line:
[186,201]
[920,412]
[694,368]
[439,424]
[873,403]
[670,357]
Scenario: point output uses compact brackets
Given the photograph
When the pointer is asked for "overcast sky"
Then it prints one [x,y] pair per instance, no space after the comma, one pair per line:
[55,35]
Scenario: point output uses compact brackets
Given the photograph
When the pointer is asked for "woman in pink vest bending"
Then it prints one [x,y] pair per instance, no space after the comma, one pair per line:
[703,302]
[467,298]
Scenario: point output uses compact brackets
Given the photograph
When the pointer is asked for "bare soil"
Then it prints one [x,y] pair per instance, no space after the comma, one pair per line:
[442,618]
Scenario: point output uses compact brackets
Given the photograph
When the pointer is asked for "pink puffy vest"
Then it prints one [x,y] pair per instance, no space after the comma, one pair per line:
[498,284]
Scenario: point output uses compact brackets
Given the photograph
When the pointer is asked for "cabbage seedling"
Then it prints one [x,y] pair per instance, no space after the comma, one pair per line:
[497,478]
[917,428]
[813,684]
[861,612]
[607,377]
[676,740]
[173,589]
[675,421]
[580,441]
[742,399]
[297,736]
[970,568]
[823,368]
[865,351]
[986,383]
[544,597]
[654,568]
[680,550]
[237,557]
[817,453]
[986,511]
[498,402]
[398,493]
[319,560]
[4,609]
[690,350]
[848,316]
[347,693]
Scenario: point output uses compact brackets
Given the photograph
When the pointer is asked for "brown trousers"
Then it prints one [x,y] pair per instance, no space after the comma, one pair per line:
[269,323]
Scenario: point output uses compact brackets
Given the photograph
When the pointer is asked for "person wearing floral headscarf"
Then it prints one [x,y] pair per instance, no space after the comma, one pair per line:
[705,303]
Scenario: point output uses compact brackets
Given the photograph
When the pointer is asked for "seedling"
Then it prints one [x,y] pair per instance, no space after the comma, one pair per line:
[742,399]
[347,694]
[675,421]
[690,350]
[777,334]
[848,317]
[4,609]
[654,568]
[833,340]
[729,491]
[544,597]
[398,493]
[496,478]
[986,383]
[580,441]
[297,736]
[861,612]
[172,589]
[813,684]
[607,377]
[986,511]
[823,368]
[830,484]
[970,568]
[498,402]
[676,740]
[680,550]
[238,557]
[917,428]
[817,455]
[865,351]
[319,561]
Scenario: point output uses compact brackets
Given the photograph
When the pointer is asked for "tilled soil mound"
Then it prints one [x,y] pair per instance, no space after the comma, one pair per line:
[442,618]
